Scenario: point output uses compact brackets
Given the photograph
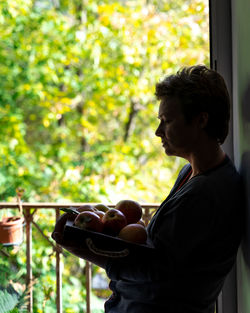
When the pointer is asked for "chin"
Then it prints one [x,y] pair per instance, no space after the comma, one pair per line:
[170,154]
[168,151]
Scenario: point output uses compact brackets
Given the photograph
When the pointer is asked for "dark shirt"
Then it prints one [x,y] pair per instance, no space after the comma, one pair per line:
[196,233]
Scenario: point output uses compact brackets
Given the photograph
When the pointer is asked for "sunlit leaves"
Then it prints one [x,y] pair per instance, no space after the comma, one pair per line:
[71,78]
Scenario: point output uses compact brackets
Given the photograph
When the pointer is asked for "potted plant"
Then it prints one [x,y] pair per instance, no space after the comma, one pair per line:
[11,227]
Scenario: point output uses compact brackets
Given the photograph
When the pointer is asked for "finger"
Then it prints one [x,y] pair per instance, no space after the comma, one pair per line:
[66,244]
[60,223]
[57,234]
[59,238]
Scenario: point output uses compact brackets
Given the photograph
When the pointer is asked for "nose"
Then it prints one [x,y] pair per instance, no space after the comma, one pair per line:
[158,131]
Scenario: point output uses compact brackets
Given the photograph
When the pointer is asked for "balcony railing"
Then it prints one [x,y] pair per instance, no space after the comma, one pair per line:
[29,210]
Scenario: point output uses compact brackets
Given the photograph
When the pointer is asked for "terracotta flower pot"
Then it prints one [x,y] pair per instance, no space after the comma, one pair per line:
[11,230]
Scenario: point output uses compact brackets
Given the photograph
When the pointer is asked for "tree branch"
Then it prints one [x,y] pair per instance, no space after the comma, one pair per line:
[134,108]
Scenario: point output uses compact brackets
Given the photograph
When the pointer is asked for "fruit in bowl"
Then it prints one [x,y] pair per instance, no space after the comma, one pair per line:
[99,213]
[135,233]
[113,222]
[131,209]
[101,207]
[86,207]
[89,220]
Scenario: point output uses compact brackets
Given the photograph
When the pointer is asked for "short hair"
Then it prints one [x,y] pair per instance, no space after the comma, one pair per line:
[199,89]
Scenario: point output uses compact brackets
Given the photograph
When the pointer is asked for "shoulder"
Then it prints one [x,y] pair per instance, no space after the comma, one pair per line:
[184,170]
[220,184]
[223,178]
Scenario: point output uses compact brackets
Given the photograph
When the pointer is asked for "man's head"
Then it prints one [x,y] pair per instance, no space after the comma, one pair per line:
[199,89]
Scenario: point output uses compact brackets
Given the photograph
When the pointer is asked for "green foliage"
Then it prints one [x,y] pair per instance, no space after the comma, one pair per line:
[12,287]
[11,301]
[78,111]
[8,299]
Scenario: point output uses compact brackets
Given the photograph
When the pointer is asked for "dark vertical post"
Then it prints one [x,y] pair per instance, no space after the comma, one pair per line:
[220,30]
[58,275]
[221,57]
[28,218]
[88,286]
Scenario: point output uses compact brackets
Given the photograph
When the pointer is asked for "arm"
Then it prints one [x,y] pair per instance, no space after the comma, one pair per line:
[178,235]
[102,261]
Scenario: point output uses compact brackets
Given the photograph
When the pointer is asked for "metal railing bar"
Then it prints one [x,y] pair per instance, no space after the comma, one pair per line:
[29,260]
[45,237]
[51,205]
[58,274]
[88,286]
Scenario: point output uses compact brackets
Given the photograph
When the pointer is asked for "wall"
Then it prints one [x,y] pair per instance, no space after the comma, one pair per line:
[230,55]
[221,60]
[241,133]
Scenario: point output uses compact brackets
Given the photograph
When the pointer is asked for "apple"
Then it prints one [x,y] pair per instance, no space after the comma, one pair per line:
[100,213]
[113,221]
[89,220]
[135,233]
[101,207]
[131,209]
[86,207]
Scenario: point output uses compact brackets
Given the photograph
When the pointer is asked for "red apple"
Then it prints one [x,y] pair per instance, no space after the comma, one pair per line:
[89,220]
[131,209]
[113,221]
[100,213]
[86,207]
[101,207]
[135,233]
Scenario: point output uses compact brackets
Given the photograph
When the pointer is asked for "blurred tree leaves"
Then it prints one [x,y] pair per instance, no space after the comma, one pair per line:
[77,105]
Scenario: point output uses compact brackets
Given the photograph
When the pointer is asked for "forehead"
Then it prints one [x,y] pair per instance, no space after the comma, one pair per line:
[170,106]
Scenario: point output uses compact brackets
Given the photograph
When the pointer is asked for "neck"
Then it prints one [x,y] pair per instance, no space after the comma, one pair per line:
[206,158]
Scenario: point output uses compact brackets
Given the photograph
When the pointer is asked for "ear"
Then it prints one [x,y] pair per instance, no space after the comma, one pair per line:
[203,118]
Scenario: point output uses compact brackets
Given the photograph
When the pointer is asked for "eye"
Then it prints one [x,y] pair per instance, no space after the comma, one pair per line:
[166,121]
